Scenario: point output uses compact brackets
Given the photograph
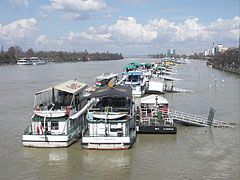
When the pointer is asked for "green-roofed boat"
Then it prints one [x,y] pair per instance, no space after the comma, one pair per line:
[129,67]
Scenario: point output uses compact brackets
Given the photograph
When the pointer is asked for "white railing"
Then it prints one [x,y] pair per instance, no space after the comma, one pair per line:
[196,120]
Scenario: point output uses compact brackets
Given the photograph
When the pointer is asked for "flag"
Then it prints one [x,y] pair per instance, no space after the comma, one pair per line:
[98,83]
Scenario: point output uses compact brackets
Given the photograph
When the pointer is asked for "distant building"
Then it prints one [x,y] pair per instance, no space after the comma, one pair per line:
[207,52]
[171,52]
[220,48]
[214,50]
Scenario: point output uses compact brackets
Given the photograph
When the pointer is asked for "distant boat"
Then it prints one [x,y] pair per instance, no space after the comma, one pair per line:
[24,61]
[37,61]
[31,61]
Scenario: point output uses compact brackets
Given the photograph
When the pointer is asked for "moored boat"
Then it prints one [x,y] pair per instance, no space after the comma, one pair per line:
[153,116]
[31,61]
[38,61]
[136,81]
[58,116]
[24,61]
[111,120]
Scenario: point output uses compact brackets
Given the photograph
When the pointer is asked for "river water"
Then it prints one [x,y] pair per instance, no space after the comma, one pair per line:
[193,153]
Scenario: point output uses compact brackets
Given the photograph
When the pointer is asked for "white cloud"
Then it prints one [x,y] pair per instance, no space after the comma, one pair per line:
[96,37]
[223,29]
[43,15]
[75,9]
[155,32]
[127,33]
[18,30]
[20,2]
[190,30]
[108,16]
[41,40]
[92,35]
[125,30]
[129,30]
[76,5]
[75,16]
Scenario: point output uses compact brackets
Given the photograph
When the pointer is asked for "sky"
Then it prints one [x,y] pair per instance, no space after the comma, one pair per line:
[130,27]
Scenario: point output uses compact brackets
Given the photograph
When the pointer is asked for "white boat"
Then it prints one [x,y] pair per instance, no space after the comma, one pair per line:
[155,85]
[136,81]
[31,61]
[103,80]
[59,116]
[111,120]
[24,61]
[37,61]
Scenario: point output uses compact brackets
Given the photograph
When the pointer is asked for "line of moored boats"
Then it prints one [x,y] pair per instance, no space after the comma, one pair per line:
[107,115]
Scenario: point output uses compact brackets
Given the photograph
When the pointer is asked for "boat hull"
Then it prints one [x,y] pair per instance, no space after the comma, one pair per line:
[50,141]
[156,129]
[109,143]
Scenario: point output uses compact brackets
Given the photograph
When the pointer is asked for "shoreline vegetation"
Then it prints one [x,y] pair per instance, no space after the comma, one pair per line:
[226,61]
[11,56]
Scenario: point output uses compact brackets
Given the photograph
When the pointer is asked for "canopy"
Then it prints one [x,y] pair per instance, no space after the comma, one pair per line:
[152,100]
[161,68]
[129,67]
[135,64]
[117,92]
[70,86]
[148,64]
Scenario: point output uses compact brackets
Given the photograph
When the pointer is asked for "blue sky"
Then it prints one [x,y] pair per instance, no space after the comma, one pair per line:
[131,27]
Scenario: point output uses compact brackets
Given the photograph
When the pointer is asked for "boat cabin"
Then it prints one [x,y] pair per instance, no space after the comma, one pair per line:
[55,105]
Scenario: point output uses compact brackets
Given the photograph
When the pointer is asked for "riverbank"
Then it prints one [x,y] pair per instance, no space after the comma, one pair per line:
[223,68]
[14,53]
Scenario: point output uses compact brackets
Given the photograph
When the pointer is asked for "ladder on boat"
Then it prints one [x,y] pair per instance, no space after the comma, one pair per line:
[191,119]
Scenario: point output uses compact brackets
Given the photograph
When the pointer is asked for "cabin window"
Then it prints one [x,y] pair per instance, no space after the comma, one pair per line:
[54,125]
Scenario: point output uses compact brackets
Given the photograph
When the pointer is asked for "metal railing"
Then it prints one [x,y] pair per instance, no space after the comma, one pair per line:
[192,119]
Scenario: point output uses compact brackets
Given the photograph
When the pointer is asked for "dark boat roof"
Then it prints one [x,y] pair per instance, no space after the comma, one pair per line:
[116,92]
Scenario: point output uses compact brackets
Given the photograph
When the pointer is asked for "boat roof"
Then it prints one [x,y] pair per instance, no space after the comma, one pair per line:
[133,73]
[129,67]
[135,64]
[71,87]
[117,92]
[152,100]
[106,76]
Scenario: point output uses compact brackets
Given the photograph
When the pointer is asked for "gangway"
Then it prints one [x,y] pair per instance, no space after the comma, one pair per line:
[195,120]
[177,90]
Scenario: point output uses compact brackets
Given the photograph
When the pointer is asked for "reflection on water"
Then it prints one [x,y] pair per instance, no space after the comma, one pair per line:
[107,159]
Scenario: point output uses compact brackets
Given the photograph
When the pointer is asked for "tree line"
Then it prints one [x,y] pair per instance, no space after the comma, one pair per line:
[15,52]
[229,58]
